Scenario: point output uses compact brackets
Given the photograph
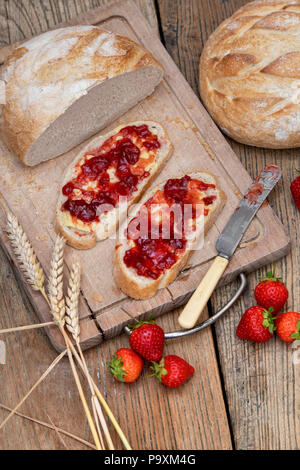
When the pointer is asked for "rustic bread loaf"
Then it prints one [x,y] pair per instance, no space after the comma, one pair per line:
[250,74]
[127,277]
[65,85]
[83,234]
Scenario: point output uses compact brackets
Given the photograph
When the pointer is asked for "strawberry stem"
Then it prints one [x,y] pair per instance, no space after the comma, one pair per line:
[268,321]
[115,368]
[271,276]
[296,335]
[140,323]
[159,369]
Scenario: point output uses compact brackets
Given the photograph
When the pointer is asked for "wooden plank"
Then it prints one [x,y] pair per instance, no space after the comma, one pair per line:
[262,384]
[194,136]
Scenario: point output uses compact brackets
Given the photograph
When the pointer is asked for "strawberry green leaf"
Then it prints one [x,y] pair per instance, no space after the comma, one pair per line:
[271,276]
[268,321]
[159,369]
[140,323]
[115,368]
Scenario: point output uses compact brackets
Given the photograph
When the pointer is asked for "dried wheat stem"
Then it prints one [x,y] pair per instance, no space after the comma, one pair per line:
[102,401]
[24,253]
[28,327]
[73,326]
[96,418]
[49,426]
[79,387]
[58,434]
[58,309]
[56,361]
[96,405]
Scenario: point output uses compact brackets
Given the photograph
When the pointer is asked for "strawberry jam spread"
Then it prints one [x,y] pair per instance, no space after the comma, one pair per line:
[150,256]
[93,186]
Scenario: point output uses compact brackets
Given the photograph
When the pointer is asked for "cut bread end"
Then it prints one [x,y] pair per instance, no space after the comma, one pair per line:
[100,106]
[140,287]
[85,236]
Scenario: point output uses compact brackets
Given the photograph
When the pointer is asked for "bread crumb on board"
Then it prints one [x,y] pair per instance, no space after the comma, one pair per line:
[97,297]
[42,238]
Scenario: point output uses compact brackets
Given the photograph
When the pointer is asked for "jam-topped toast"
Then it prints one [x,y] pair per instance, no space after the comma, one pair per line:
[161,232]
[106,178]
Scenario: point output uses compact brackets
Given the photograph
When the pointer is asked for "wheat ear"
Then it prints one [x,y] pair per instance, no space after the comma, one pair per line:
[73,326]
[55,288]
[34,272]
[25,255]
[72,300]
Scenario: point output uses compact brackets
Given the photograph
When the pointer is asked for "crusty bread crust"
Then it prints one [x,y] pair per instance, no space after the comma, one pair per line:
[78,240]
[131,283]
[47,74]
[249,74]
[81,240]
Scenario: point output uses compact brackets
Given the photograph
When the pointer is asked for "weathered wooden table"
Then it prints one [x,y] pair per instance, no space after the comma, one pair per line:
[243,395]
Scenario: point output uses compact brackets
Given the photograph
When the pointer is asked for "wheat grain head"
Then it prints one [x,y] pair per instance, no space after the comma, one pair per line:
[72,299]
[55,287]
[24,253]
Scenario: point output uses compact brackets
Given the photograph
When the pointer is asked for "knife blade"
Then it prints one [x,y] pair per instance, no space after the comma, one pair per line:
[240,220]
[229,240]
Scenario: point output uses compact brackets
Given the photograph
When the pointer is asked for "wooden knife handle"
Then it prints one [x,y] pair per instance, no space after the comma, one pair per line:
[193,309]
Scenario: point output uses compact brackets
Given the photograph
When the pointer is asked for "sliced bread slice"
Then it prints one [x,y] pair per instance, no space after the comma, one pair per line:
[120,163]
[144,264]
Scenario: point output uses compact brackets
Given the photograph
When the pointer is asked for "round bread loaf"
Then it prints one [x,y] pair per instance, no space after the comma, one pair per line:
[65,85]
[250,74]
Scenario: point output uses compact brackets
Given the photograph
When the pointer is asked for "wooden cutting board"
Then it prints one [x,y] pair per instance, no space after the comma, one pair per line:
[31,194]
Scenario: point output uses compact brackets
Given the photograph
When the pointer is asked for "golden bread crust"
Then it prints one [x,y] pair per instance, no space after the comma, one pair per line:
[250,74]
[47,74]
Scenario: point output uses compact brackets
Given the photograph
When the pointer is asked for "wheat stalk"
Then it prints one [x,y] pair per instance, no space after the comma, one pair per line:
[36,278]
[49,426]
[27,327]
[55,287]
[43,376]
[58,309]
[102,401]
[25,255]
[73,326]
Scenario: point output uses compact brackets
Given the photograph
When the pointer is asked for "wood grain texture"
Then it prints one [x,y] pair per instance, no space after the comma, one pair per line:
[190,418]
[262,384]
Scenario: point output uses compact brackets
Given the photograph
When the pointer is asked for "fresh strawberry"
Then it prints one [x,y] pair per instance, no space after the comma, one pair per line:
[126,365]
[257,324]
[288,326]
[271,292]
[295,190]
[172,371]
[148,340]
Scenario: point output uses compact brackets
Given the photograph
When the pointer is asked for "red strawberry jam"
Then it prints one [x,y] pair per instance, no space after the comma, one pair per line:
[120,152]
[150,256]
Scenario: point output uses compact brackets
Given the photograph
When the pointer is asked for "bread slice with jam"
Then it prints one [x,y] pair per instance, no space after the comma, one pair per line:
[106,178]
[162,231]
